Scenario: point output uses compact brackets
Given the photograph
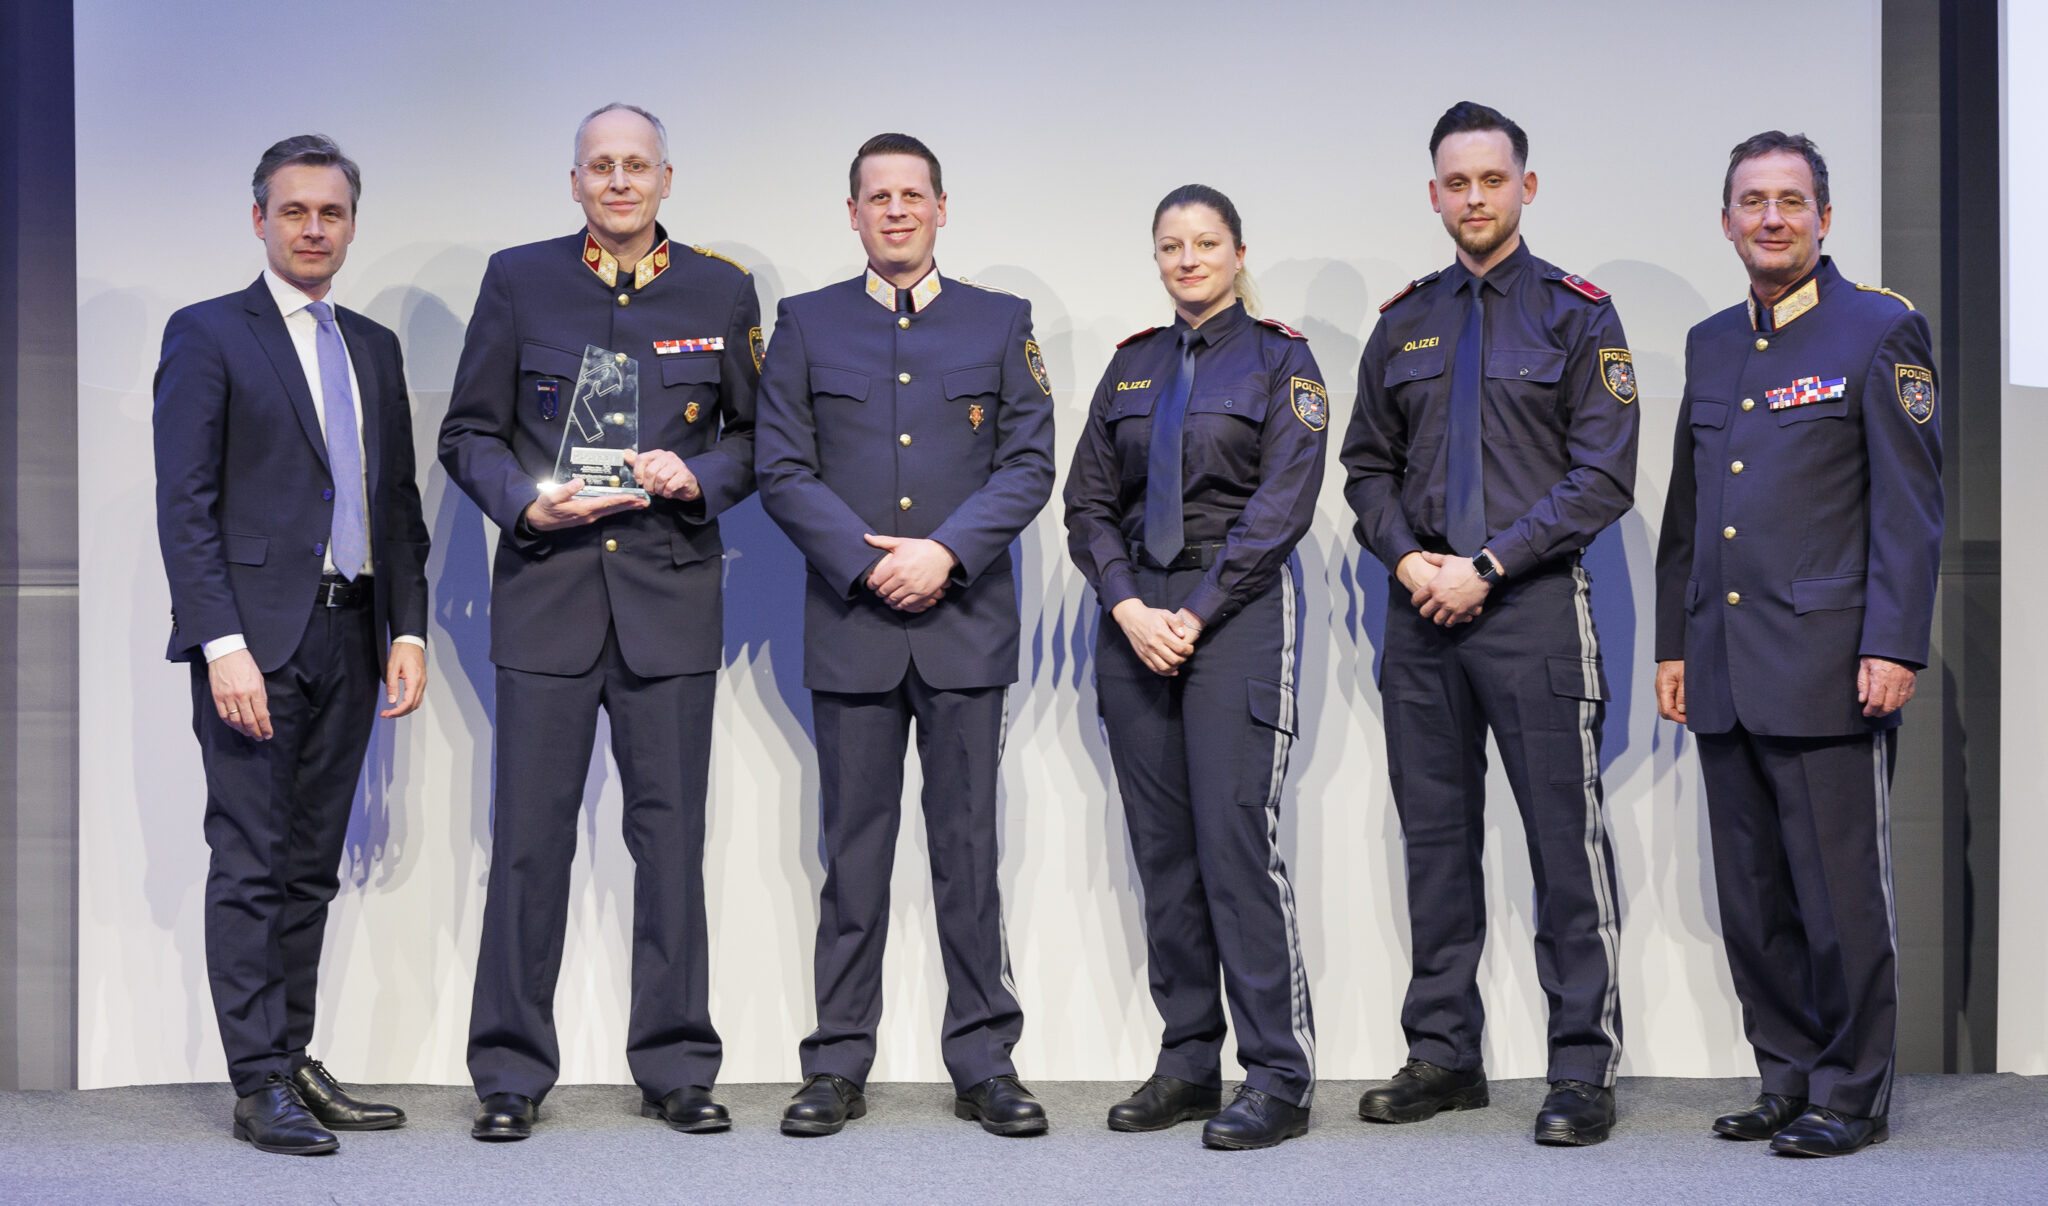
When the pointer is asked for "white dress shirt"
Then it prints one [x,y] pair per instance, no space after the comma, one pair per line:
[305,330]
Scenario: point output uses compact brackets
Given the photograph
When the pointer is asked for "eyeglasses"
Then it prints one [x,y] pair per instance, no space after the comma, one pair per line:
[638,169]
[1788,207]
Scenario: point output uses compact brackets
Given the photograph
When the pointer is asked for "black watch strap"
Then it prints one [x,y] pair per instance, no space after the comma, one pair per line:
[1487,568]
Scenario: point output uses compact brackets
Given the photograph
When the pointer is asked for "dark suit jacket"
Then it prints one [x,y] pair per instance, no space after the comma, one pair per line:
[960,452]
[1823,548]
[654,575]
[244,497]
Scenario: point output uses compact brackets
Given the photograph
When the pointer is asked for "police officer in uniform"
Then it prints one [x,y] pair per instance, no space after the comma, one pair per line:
[1194,480]
[1795,593]
[905,441]
[1494,437]
[603,601]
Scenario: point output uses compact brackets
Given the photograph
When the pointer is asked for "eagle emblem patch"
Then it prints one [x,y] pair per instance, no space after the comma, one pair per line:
[1311,402]
[755,346]
[1916,391]
[1037,363]
[1618,374]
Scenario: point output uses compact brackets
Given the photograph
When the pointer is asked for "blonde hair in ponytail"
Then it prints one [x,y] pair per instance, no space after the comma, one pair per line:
[1247,291]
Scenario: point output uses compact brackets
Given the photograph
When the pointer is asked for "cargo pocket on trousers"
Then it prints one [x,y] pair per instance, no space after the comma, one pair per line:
[1266,742]
[1579,685]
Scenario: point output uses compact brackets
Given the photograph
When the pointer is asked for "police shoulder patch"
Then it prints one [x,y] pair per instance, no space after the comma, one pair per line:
[1408,288]
[1916,391]
[1131,339]
[1581,286]
[756,346]
[1618,374]
[1037,363]
[1311,402]
[1901,298]
[1281,327]
[706,251]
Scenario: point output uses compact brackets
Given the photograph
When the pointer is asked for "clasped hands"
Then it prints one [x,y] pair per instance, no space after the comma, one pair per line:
[658,471]
[1163,640]
[913,572]
[1443,587]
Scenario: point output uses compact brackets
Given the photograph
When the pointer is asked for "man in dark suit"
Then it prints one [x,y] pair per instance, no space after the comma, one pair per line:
[1795,592]
[292,537]
[906,439]
[605,601]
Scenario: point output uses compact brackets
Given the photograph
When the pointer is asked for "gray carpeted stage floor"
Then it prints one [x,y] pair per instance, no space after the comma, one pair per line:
[1955,1139]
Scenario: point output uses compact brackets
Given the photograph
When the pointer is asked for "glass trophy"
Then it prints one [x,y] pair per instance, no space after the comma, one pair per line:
[603,425]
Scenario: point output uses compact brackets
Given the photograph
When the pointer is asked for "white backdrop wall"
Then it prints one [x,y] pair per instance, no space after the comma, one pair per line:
[1060,125]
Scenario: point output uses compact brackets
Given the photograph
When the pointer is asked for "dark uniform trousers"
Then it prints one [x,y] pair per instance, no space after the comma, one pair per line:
[1200,758]
[547,727]
[276,817]
[1816,971]
[1528,668]
[862,739]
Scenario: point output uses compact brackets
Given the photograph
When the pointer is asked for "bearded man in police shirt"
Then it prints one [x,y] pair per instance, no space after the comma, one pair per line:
[1795,593]
[603,601]
[1494,438]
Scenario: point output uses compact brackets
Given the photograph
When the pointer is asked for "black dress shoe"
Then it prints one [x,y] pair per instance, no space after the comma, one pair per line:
[689,1109]
[1003,1107]
[1765,1118]
[1256,1119]
[824,1105]
[273,1119]
[503,1117]
[1823,1132]
[1575,1114]
[1421,1090]
[1163,1101]
[335,1109]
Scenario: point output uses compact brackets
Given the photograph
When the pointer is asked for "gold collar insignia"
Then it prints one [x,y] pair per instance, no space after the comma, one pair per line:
[1802,299]
[606,265]
[921,294]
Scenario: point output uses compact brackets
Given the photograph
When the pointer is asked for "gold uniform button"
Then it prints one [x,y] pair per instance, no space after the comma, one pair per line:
[904,439]
[1762,343]
[903,378]
[1735,468]
[904,322]
[1749,404]
[611,546]
[623,299]
[903,504]
[1727,533]
[1733,598]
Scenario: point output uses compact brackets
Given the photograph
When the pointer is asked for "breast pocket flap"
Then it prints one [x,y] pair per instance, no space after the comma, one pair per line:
[969,382]
[1827,594]
[847,383]
[549,361]
[689,370]
[1544,365]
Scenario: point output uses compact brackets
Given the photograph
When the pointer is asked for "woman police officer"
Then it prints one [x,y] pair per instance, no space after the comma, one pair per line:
[1196,475]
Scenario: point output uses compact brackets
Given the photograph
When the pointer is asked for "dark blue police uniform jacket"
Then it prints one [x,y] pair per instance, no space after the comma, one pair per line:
[652,574]
[245,498]
[935,423]
[1803,528]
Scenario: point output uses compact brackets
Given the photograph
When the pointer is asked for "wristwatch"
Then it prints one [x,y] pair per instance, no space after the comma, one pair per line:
[1487,568]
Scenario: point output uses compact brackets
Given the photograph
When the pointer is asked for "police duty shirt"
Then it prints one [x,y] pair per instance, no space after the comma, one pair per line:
[305,331]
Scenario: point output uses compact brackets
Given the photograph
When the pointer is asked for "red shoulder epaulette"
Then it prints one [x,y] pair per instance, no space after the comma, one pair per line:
[1281,327]
[1583,287]
[1408,288]
[1140,335]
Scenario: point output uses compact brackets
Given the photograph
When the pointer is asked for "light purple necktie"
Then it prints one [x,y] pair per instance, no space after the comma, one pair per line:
[349,541]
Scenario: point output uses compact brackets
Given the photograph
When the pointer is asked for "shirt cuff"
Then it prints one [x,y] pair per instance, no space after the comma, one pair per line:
[220,647]
[409,639]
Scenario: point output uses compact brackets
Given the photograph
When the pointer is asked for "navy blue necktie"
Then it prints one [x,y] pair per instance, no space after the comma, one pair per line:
[1163,532]
[1465,470]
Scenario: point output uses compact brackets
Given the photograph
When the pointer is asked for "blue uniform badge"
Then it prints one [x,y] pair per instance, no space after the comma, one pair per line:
[1618,374]
[1037,363]
[1916,391]
[755,346]
[549,396]
[1311,402]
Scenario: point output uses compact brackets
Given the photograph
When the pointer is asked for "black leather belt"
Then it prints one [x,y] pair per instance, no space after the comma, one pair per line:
[1193,556]
[337,591]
